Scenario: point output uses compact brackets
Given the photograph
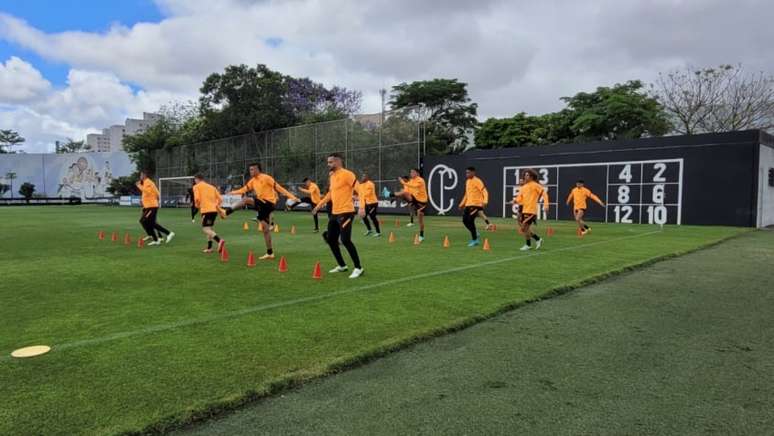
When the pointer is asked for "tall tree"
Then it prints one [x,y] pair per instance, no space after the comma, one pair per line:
[618,112]
[72,146]
[9,139]
[716,99]
[10,176]
[445,107]
[525,130]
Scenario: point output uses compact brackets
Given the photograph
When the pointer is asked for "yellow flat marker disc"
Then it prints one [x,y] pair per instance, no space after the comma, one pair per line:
[35,350]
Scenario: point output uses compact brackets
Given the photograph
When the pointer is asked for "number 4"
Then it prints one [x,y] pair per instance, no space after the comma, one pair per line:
[626,173]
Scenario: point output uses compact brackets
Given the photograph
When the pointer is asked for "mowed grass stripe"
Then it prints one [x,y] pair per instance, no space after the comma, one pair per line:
[90,289]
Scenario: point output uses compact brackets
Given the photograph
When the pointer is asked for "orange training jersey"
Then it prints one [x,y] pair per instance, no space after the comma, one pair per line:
[475,193]
[341,186]
[265,189]
[529,195]
[579,196]
[313,191]
[206,197]
[367,192]
[416,186]
[150,195]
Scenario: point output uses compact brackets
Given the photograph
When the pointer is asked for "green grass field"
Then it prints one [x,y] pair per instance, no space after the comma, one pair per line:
[151,338]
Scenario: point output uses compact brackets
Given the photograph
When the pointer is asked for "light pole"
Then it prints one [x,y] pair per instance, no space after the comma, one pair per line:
[10,175]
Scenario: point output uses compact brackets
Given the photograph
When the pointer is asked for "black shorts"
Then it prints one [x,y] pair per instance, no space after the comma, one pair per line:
[371,209]
[264,209]
[208,219]
[528,219]
[473,210]
[419,206]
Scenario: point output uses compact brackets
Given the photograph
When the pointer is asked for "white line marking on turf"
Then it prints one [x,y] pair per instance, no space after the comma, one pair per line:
[264,307]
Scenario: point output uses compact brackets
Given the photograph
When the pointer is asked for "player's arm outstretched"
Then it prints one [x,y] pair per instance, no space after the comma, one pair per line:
[596,199]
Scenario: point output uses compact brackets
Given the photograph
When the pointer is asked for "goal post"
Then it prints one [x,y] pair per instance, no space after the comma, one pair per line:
[174,190]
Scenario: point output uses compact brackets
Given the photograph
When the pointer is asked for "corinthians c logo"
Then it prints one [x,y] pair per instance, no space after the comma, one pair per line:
[447,179]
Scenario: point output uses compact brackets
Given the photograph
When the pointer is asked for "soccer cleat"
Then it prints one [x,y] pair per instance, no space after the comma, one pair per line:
[221,244]
[377,235]
[586,230]
[538,244]
[474,242]
[409,224]
[193,221]
[156,242]
[169,237]
[207,250]
[357,272]
[525,248]
[367,233]
[338,269]
[421,239]
[316,231]
[147,238]
[267,256]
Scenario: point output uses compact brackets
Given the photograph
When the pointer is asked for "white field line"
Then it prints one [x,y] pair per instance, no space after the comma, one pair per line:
[265,307]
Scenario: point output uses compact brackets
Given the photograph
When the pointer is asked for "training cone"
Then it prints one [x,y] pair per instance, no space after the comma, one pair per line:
[416,239]
[224,255]
[381,223]
[445,242]
[101,235]
[293,229]
[283,264]
[260,226]
[550,231]
[250,258]
[494,227]
[579,232]
[391,239]
[317,272]
[140,242]
[486,245]
[276,228]
[114,237]
[397,222]
[245,226]
[127,239]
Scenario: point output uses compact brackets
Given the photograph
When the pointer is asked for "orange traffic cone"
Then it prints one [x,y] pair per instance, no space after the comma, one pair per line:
[260,226]
[127,239]
[101,235]
[397,222]
[140,242]
[445,242]
[114,237]
[550,231]
[486,245]
[276,228]
[381,223]
[293,229]
[245,226]
[416,239]
[224,255]
[317,272]
[579,232]
[250,258]
[391,239]
[283,264]
[494,227]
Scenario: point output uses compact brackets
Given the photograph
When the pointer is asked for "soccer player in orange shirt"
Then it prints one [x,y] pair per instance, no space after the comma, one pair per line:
[366,193]
[341,188]
[207,200]
[475,200]
[265,189]
[529,195]
[579,194]
[150,209]
[415,192]
[312,192]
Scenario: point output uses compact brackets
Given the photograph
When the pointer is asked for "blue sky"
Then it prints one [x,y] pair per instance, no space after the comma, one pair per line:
[53,16]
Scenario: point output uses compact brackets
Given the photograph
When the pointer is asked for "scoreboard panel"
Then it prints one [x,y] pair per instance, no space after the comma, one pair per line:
[643,191]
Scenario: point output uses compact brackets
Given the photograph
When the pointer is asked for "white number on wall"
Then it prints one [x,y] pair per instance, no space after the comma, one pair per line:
[543,176]
[657,215]
[660,168]
[623,194]
[626,173]
[658,194]
[623,214]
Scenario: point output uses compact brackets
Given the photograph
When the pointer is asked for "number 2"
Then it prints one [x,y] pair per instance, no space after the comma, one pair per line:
[660,168]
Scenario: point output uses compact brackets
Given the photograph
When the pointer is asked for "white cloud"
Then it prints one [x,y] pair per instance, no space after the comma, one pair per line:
[20,82]
[515,55]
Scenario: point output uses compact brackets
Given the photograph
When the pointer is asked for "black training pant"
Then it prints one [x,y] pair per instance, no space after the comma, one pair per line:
[371,210]
[148,222]
[469,216]
[340,227]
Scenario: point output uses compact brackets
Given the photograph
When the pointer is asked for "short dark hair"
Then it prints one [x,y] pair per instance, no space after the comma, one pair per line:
[257,165]
[580,181]
[306,179]
[199,177]
[147,172]
[336,155]
[471,169]
[417,170]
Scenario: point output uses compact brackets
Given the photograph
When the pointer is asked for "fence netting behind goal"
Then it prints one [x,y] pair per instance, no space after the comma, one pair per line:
[385,146]
[174,191]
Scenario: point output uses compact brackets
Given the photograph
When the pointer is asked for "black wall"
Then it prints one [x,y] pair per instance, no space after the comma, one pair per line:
[719,177]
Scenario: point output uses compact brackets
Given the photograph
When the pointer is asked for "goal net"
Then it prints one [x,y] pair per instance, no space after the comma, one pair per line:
[174,191]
